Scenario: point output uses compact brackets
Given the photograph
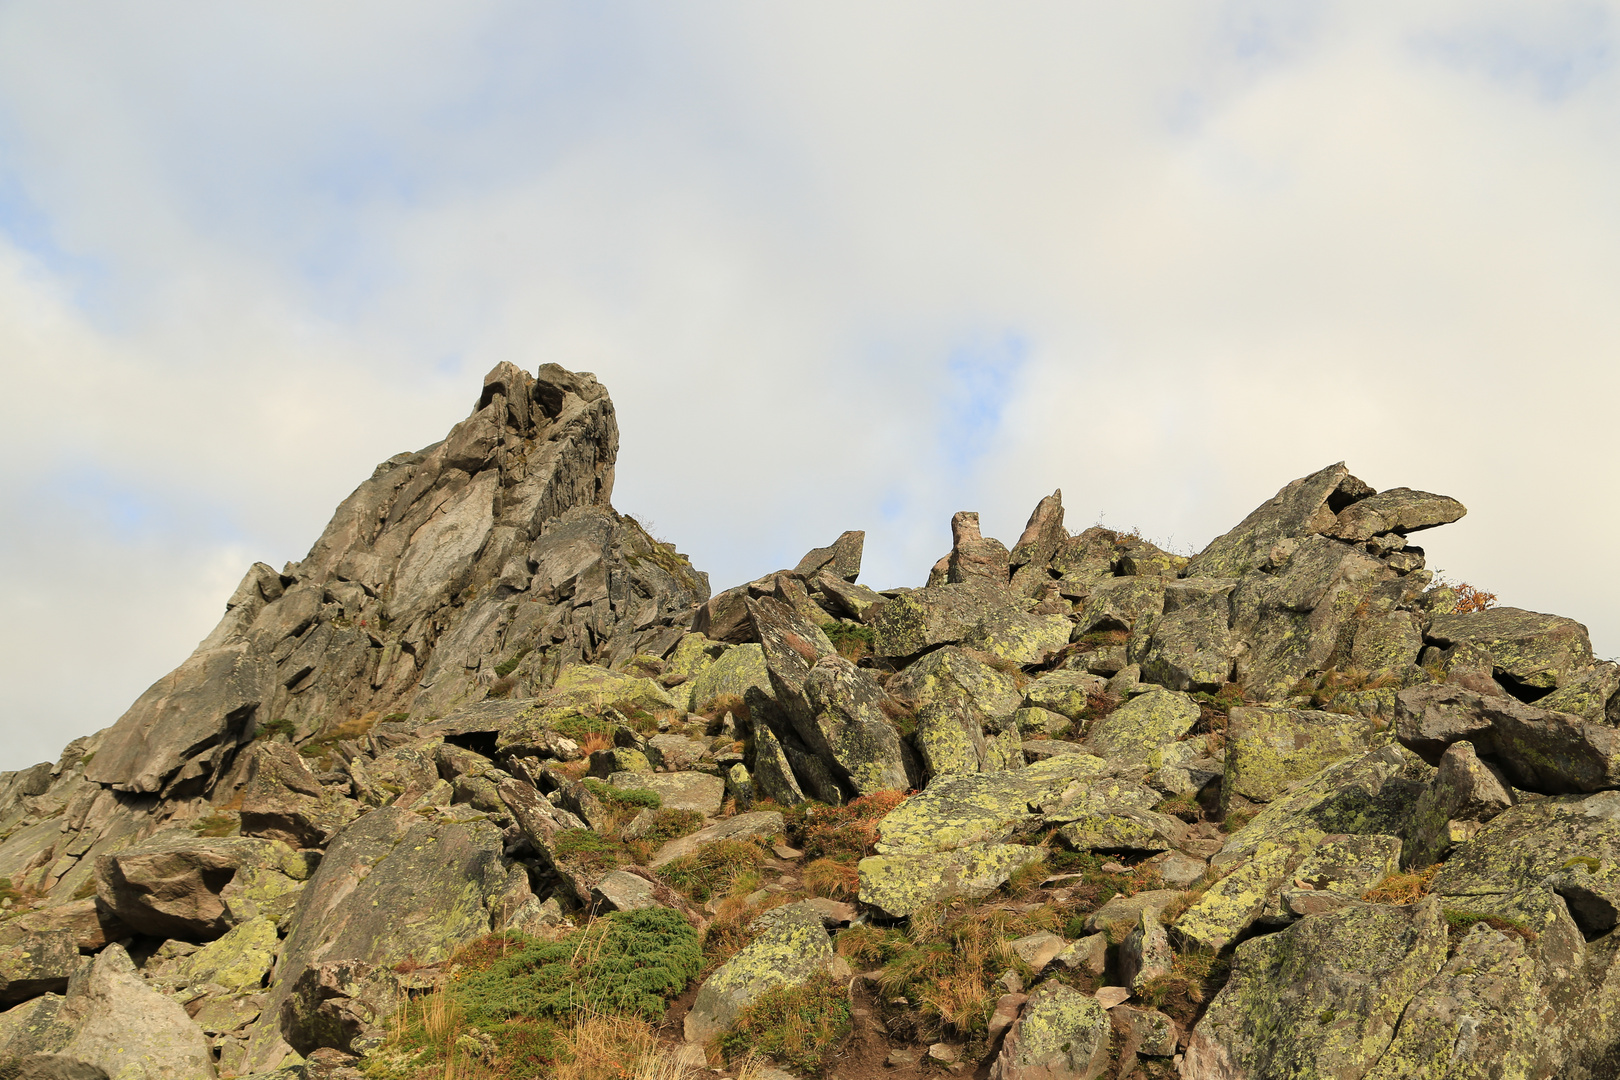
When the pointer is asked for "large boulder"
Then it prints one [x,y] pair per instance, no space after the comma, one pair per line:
[1528,652]
[392,888]
[1539,750]
[182,885]
[1320,999]
[1130,734]
[900,885]
[112,1021]
[841,558]
[1268,750]
[919,619]
[1061,1035]
[790,945]
[850,729]
[1303,507]
[1398,510]
[34,962]
[732,674]
[1465,794]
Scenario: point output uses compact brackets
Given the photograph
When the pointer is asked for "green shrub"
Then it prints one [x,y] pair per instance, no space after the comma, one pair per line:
[669,825]
[642,797]
[587,850]
[1459,922]
[852,642]
[799,1027]
[8,891]
[521,991]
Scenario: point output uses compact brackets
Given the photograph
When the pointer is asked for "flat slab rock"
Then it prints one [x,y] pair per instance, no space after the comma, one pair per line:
[761,824]
[678,790]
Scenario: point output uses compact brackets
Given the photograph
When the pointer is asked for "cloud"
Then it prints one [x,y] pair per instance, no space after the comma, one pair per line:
[841,267]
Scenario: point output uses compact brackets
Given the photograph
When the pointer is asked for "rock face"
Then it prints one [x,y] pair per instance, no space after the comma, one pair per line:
[1283,807]
[495,545]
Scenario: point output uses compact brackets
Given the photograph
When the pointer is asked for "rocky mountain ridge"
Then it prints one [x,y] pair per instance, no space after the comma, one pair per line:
[1073,808]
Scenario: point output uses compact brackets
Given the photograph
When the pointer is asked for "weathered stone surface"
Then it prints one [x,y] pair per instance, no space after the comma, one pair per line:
[124,1027]
[1116,917]
[758,824]
[985,808]
[1190,646]
[1145,953]
[1398,510]
[849,729]
[951,675]
[842,557]
[901,884]
[1524,649]
[846,598]
[1066,693]
[1232,904]
[1539,750]
[1018,637]
[975,559]
[1062,1035]
[237,962]
[773,773]
[188,725]
[789,946]
[178,884]
[1303,507]
[621,891]
[1270,750]
[1038,949]
[91,927]
[1147,1032]
[1088,954]
[392,887]
[1464,790]
[1130,734]
[1320,999]
[943,614]
[1041,539]
[703,792]
[1121,603]
[34,962]
[731,675]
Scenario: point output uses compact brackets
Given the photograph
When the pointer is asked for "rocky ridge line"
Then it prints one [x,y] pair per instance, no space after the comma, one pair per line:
[419,734]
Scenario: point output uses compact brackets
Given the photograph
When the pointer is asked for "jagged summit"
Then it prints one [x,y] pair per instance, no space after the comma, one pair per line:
[1078,808]
[498,541]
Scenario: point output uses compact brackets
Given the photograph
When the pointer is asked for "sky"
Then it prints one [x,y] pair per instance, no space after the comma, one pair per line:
[841,265]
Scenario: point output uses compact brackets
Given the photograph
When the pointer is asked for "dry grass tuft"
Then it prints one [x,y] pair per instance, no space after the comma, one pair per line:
[832,879]
[1401,888]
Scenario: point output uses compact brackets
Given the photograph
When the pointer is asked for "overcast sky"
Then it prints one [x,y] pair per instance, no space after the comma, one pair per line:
[841,265]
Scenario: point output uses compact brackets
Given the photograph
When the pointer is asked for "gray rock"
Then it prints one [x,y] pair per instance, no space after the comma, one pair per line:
[179,884]
[1145,953]
[849,729]
[1537,749]
[760,824]
[788,947]
[1302,508]
[1321,998]
[124,1027]
[1038,949]
[773,774]
[703,792]
[1398,510]
[841,558]
[392,887]
[1061,1033]
[1465,794]
[34,962]
[975,559]
[1521,648]
[621,891]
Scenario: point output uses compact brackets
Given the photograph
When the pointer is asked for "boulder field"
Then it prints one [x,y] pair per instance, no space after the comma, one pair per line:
[492,784]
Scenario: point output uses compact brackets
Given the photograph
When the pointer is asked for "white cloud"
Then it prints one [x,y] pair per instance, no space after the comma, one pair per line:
[255,249]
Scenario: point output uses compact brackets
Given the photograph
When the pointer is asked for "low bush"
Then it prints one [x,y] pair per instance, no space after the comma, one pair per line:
[854,643]
[832,879]
[533,999]
[271,729]
[587,850]
[1460,921]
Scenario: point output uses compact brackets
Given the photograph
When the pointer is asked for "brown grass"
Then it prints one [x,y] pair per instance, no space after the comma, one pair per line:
[832,879]
[1401,888]
[607,1047]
